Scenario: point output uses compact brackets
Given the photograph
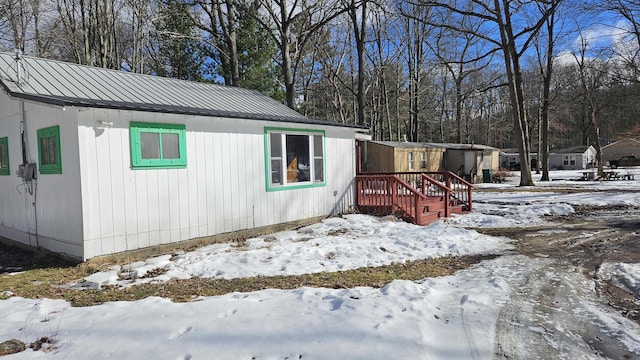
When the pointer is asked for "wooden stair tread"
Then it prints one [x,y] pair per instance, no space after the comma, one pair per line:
[385,194]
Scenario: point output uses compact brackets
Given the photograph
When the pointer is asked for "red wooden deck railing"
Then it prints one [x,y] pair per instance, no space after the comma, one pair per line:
[416,197]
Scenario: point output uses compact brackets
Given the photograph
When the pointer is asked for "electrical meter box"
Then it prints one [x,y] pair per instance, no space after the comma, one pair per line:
[27,171]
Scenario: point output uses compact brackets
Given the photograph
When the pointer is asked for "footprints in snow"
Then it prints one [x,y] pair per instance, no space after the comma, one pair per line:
[185,329]
[180,332]
[227,313]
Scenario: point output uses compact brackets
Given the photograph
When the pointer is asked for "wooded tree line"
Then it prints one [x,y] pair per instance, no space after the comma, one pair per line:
[537,74]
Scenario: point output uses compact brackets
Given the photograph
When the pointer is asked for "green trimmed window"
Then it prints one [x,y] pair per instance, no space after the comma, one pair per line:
[4,156]
[49,150]
[155,145]
[295,158]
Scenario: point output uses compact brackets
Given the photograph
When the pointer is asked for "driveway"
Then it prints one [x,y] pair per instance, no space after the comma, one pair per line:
[550,313]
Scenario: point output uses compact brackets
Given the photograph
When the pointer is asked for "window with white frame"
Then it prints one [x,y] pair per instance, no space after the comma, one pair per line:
[295,158]
[410,160]
[423,160]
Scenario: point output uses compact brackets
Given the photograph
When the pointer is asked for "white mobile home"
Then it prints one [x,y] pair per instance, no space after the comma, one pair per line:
[96,161]
[574,158]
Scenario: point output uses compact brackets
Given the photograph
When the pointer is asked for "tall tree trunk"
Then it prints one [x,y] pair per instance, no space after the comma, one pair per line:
[359,23]
[546,98]
[229,26]
[287,73]
[516,93]
[458,85]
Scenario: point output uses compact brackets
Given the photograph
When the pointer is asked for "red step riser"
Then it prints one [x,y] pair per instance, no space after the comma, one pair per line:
[376,200]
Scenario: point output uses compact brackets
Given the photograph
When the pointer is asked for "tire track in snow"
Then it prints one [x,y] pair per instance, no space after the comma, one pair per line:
[467,331]
[550,315]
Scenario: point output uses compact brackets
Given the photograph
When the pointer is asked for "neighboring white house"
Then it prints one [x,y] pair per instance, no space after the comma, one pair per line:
[510,159]
[96,161]
[574,158]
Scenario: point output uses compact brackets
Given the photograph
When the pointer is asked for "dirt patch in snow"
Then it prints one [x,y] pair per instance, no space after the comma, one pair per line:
[14,259]
[586,239]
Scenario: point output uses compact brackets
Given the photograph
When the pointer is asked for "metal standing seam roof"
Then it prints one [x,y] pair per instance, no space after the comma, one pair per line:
[65,84]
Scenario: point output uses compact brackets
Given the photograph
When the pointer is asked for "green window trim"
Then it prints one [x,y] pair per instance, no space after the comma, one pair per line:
[317,177]
[4,156]
[169,150]
[49,151]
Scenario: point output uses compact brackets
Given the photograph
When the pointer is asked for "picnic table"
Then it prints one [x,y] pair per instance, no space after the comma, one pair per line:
[588,175]
[610,175]
[607,175]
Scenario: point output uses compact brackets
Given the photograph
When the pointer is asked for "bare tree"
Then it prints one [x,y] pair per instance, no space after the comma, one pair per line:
[91,28]
[512,38]
[338,91]
[138,25]
[630,52]
[220,22]
[358,12]
[545,50]
[292,25]
[415,31]
[383,58]
[19,15]
[592,73]
[457,52]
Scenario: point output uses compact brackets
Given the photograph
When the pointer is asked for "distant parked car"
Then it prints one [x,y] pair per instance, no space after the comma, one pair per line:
[516,166]
[628,160]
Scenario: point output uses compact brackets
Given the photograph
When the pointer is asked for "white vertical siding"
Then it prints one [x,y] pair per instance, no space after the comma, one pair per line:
[222,189]
[15,211]
[99,205]
[58,202]
[198,190]
[50,215]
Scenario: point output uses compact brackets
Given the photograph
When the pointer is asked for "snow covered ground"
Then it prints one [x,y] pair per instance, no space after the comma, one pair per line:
[453,317]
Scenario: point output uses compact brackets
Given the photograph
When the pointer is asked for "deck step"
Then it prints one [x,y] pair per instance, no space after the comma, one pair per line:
[386,194]
[428,217]
[435,206]
[458,209]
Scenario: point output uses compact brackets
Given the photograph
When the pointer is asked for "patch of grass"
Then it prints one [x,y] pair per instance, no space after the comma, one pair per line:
[45,283]
[39,282]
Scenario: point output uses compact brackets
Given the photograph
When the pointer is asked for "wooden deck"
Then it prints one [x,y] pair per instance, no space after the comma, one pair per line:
[420,198]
